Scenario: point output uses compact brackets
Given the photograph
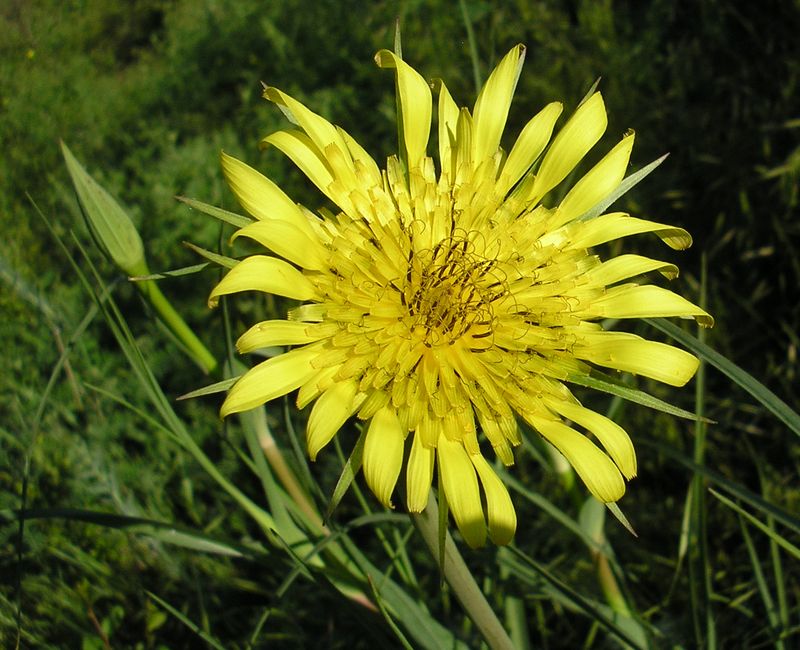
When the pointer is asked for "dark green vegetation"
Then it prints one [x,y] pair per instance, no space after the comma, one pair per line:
[146,93]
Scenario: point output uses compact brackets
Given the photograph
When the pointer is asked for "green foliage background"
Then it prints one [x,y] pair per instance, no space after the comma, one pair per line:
[147,93]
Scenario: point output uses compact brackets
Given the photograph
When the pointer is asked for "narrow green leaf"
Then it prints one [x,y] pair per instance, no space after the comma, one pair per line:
[624,187]
[739,491]
[779,539]
[379,601]
[165,532]
[755,388]
[604,383]
[144,375]
[211,389]
[615,510]
[177,273]
[349,472]
[460,578]
[763,588]
[216,258]
[218,213]
[587,95]
[526,567]
[213,642]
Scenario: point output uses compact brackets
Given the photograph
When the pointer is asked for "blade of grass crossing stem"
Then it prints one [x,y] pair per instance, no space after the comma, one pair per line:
[163,531]
[388,617]
[774,550]
[194,627]
[739,491]
[763,588]
[350,469]
[600,381]
[779,539]
[349,472]
[277,499]
[700,570]
[477,75]
[460,579]
[225,216]
[755,388]
[119,328]
[531,572]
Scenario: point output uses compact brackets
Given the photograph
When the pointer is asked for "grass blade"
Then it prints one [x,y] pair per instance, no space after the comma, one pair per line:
[755,388]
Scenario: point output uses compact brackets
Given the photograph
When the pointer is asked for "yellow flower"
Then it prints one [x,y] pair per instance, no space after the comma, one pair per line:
[443,303]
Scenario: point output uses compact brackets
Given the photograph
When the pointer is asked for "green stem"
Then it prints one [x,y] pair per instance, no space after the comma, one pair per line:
[460,579]
[178,326]
[285,474]
[473,47]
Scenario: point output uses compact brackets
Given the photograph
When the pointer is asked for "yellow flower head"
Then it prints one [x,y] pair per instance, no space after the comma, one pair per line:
[444,303]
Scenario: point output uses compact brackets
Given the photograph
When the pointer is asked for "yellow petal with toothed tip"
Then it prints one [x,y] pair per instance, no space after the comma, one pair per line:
[415,105]
[614,438]
[529,146]
[260,196]
[596,470]
[628,266]
[274,332]
[448,124]
[615,225]
[267,274]
[600,181]
[383,454]
[305,154]
[491,108]
[630,353]
[329,413]
[321,132]
[644,301]
[419,474]
[571,144]
[287,240]
[270,379]
[461,489]
[500,510]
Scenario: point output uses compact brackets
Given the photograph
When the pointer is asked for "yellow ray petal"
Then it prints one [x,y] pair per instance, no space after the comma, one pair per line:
[288,241]
[270,379]
[262,273]
[529,146]
[300,149]
[628,266]
[644,301]
[614,438]
[321,132]
[329,413]
[630,353]
[448,124]
[419,474]
[491,108]
[275,332]
[502,516]
[383,454]
[415,106]
[597,184]
[571,144]
[596,469]
[608,227]
[368,166]
[260,196]
[461,489]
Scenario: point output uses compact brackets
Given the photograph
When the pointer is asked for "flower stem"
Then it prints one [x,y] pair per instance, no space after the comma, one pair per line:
[460,579]
[177,325]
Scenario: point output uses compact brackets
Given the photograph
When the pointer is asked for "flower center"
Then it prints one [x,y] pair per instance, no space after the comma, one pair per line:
[449,290]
